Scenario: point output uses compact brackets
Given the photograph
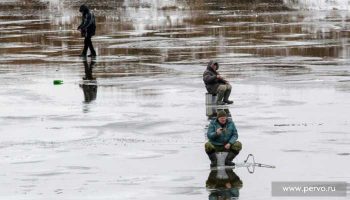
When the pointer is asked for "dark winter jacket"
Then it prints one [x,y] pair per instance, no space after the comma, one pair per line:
[210,78]
[88,24]
[229,135]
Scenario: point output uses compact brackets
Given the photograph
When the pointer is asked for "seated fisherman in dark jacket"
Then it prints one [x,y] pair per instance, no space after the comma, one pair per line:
[216,84]
[222,135]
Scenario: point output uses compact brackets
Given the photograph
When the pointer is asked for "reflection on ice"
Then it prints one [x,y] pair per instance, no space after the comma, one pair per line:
[143,131]
[223,184]
[132,28]
[89,85]
[150,14]
[318,4]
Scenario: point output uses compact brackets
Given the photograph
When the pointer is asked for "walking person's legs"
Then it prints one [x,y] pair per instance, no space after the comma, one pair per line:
[91,47]
[86,46]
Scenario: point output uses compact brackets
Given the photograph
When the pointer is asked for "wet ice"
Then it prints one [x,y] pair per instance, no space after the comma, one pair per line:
[143,131]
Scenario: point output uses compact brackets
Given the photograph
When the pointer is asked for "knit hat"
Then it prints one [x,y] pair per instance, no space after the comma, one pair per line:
[221,113]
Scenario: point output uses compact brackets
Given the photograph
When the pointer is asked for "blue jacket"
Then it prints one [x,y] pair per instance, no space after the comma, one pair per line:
[228,136]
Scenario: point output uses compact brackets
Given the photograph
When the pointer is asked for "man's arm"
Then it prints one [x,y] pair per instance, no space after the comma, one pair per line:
[221,79]
[87,22]
[211,134]
[81,24]
[208,78]
[234,137]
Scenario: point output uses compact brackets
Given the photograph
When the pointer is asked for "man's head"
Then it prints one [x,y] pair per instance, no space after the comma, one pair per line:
[222,117]
[215,66]
[83,9]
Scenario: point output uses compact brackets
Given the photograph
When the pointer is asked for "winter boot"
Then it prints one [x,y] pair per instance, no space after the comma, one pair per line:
[213,159]
[230,156]
[220,103]
[227,95]
[228,101]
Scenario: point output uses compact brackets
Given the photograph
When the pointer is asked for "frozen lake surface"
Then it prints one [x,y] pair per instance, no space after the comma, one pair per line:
[137,129]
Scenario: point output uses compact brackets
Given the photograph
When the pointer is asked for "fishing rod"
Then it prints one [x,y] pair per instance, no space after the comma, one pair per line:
[249,163]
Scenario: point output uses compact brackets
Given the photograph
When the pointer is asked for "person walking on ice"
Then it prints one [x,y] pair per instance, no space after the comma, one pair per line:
[87,29]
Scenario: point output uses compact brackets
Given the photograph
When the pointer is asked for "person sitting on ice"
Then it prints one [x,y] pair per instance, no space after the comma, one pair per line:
[222,136]
[216,84]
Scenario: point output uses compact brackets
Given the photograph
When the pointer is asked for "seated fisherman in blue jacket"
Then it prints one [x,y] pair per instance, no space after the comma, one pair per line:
[222,135]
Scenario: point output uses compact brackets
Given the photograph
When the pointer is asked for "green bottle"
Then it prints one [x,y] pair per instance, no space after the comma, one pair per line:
[57,82]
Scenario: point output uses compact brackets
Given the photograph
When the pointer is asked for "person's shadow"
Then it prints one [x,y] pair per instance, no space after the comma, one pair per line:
[89,84]
[223,184]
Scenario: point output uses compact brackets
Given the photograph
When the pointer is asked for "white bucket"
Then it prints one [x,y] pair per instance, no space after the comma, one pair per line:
[210,99]
[221,156]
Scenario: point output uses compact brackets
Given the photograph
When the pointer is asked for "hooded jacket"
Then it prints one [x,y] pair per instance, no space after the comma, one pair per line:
[229,135]
[210,78]
[88,24]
